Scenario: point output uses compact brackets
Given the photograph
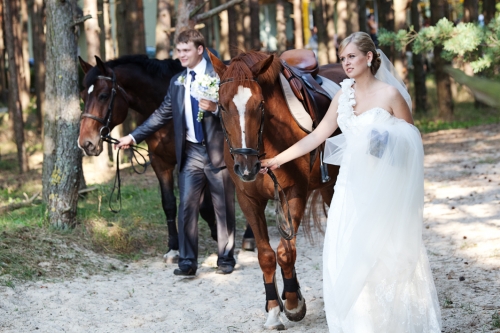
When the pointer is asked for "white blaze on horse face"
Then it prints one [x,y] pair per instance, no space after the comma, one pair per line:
[91,89]
[240,100]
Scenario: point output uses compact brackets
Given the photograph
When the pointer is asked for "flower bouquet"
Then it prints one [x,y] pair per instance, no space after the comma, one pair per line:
[205,87]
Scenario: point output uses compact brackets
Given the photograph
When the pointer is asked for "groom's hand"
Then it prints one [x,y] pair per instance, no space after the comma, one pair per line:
[207,105]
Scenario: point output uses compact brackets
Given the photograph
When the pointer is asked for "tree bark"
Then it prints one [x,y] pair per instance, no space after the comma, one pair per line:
[297,22]
[363,26]
[254,24]
[443,82]
[62,157]
[232,18]
[23,59]
[108,37]
[386,21]
[400,7]
[131,36]
[319,22]
[3,52]
[163,25]
[471,10]
[489,10]
[15,107]
[348,21]
[418,65]
[280,26]
[37,13]
[224,35]
[330,29]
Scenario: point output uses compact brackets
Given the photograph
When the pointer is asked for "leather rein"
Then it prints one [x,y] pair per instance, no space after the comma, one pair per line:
[285,228]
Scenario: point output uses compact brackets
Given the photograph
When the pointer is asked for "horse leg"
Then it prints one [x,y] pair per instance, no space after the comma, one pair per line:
[248,242]
[207,212]
[294,305]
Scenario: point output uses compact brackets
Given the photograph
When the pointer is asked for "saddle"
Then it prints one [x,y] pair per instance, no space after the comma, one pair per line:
[300,68]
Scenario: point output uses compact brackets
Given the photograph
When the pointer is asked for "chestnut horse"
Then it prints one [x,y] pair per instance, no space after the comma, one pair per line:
[256,118]
[141,84]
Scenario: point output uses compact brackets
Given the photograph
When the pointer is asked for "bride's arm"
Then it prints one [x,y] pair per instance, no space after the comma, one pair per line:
[325,128]
[399,106]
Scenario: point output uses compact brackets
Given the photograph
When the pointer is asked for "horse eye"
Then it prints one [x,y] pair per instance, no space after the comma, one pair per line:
[103,96]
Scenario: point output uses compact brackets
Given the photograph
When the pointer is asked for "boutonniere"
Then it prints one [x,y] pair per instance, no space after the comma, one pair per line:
[205,87]
[181,80]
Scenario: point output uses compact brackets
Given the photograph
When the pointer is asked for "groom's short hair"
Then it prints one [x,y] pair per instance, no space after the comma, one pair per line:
[191,35]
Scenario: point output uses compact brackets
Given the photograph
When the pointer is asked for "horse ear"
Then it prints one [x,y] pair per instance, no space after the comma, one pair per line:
[85,65]
[219,66]
[100,65]
[262,66]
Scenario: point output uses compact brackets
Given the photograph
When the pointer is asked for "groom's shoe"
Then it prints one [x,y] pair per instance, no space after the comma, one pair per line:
[187,271]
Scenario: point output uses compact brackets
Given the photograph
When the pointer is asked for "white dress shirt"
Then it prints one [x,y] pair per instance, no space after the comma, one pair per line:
[199,70]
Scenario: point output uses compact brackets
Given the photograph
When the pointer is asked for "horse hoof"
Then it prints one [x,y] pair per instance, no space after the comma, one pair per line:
[298,313]
[248,244]
[273,321]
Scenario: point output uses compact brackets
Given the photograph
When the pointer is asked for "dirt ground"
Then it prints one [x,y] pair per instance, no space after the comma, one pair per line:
[461,233]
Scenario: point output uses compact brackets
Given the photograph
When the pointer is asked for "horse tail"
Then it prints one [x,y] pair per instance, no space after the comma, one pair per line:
[314,217]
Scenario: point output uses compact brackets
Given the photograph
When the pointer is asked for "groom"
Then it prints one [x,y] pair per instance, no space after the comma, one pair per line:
[199,148]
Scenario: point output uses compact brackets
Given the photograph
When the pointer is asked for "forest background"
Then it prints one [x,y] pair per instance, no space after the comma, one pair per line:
[41,206]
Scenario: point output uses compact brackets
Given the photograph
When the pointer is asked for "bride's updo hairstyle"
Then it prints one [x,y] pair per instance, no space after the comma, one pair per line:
[365,44]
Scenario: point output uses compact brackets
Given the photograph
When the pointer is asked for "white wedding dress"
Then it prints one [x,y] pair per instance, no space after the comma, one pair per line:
[376,273]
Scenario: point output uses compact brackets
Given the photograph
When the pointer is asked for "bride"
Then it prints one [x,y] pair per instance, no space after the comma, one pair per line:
[376,275]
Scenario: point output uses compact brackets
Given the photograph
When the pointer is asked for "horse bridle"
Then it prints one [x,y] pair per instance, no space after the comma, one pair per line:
[244,151]
[287,231]
[109,113]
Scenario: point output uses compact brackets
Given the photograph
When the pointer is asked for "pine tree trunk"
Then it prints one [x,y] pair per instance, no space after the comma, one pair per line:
[348,21]
[108,37]
[386,21]
[224,35]
[280,26]
[297,21]
[102,31]
[362,18]
[24,65]
[37,13]
[255,24]
[330,29]
[443,82]
[489,10]
[163,25]
[418,65]
[400,7]
[62,157]
[3,52]
[232,18]
[471,10]
[319,22]
[15,107]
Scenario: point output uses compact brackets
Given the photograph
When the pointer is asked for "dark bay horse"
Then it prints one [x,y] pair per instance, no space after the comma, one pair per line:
[256,118]
[141,84]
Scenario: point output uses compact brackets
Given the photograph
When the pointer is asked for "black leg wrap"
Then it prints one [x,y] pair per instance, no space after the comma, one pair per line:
[290,285]
[272,293]
[173,238]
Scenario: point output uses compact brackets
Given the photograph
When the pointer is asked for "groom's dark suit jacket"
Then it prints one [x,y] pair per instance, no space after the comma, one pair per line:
[172,107]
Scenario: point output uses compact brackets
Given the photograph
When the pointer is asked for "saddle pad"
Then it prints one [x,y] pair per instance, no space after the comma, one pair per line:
[296,108]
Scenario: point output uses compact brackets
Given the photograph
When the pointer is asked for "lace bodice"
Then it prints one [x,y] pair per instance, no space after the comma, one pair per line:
[347,119]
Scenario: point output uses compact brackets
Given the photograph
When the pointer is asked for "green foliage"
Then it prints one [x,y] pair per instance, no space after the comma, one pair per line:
[464,42]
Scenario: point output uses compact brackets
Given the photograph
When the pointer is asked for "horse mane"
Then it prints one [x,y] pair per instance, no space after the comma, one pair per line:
[152,67]
[239,68]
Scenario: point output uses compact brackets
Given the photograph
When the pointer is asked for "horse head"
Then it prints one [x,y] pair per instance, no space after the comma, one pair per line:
[101,95]
[242,108]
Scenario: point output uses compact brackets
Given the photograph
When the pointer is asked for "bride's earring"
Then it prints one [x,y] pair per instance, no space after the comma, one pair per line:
[369,64]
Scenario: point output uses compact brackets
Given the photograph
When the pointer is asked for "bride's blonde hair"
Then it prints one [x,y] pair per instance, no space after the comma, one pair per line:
[365,44]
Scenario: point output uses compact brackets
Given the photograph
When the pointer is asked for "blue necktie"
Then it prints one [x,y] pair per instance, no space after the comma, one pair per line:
[198,130]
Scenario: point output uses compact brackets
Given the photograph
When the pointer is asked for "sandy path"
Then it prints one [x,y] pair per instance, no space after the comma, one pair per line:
[462,235]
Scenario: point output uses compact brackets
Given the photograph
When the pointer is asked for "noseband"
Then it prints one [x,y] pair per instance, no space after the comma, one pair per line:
[244,151]
[104,131]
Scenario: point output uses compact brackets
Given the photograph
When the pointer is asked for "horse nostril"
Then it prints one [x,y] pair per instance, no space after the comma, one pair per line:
[88,145]
[237,169]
